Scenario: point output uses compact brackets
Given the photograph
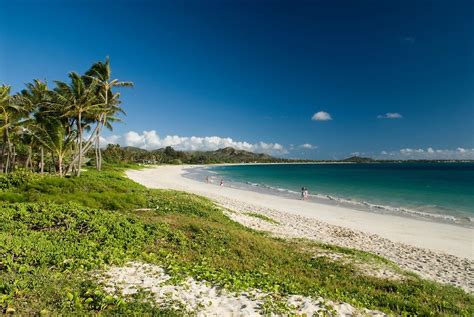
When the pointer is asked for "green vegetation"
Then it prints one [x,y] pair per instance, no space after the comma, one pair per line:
[49,247]
[116,154]
[57,233]
[263,217]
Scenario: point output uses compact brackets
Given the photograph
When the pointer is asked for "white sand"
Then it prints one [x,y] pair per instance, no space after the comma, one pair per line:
[443,252]
[202,299]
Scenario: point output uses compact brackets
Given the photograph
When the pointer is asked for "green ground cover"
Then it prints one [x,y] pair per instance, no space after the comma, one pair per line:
[57,233]
[262,217]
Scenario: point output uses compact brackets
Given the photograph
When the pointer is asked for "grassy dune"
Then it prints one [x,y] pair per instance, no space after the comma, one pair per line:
[57,233]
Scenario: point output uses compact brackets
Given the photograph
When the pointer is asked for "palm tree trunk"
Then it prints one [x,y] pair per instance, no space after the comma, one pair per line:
[86,147]
[79,130]
[98,153]
[53,163]
[9,151]
[2,166]
[13,158]
[97,143]
[42,161]
[103,119]
[28,159]
[97,164]
[100,157]
[60,165]
[96,156]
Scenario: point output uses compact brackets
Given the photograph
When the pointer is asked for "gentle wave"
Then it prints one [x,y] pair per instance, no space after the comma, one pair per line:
[374,207]
[438,214]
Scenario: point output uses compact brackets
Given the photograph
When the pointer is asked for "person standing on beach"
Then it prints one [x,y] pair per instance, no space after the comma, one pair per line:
[222,182]
[304,193]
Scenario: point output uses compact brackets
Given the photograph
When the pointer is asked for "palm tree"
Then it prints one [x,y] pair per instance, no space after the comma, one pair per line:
[108,117]
[102,73]
[78,101]
[54,136]
[37,95]
[84,103]
[11,112]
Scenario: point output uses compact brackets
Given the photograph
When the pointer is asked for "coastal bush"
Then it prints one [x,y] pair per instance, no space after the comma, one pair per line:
[46,248]
[16,179]
[65,229]
[106,190]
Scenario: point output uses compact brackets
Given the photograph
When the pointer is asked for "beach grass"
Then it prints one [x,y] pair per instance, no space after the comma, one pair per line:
[262,217]
[58,233]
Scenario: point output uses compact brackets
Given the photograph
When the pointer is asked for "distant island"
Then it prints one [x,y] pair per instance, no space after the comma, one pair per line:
[359,159]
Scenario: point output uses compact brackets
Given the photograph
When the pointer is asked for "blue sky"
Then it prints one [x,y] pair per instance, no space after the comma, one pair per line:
[258,71]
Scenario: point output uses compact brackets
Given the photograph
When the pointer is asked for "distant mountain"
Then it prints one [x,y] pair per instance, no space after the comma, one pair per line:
[241,155]
[227,155]
[134,149]
[169,155]
[359,159]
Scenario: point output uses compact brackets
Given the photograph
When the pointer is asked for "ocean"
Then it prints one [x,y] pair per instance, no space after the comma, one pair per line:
[436,191]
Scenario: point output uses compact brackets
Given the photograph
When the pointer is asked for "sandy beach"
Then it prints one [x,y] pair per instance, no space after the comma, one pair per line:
[438,251]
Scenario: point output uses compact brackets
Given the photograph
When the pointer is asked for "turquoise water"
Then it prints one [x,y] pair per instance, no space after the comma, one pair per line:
[430,189]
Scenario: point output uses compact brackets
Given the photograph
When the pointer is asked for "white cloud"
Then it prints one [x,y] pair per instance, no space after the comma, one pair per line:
[308,146]
[321,116]
[132,138]
[410,151]
[112,139]
[151,140]
[429,153]
[390,115]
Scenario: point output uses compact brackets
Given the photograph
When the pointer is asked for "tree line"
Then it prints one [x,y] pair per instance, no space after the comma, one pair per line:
[42,127]
[114,153]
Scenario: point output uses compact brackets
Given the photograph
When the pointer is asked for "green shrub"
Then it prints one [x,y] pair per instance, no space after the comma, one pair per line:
[44,239]
[16,179]
[68,236]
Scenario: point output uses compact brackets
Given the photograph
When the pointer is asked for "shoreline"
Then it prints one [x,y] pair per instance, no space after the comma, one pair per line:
[440,251]
[200,172]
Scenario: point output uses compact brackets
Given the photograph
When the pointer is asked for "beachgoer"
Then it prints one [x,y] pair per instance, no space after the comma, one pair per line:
[306,193]
[207,179]
[302,193]
[222,183]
